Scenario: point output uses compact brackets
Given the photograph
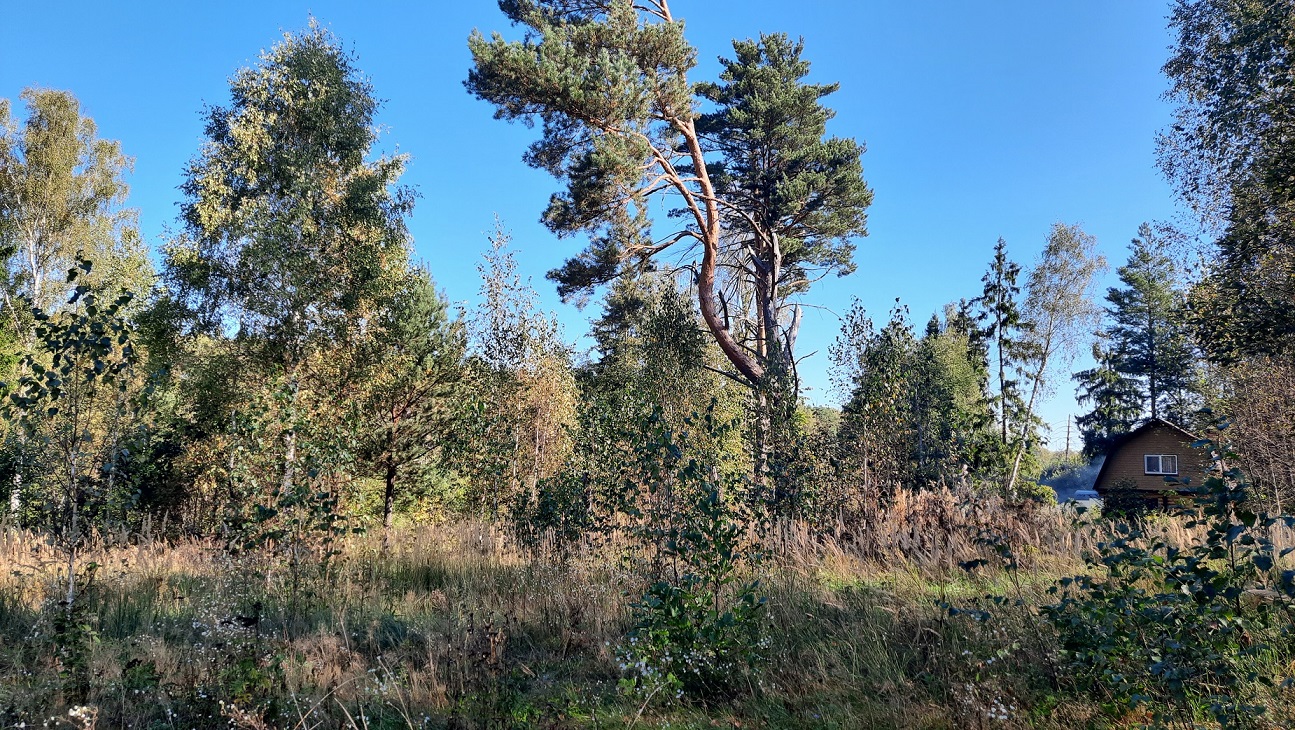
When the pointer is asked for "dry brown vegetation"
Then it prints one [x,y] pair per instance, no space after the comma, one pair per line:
[453,625]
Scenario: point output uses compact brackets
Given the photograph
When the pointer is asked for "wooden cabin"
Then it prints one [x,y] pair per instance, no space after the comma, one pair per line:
[1147,456]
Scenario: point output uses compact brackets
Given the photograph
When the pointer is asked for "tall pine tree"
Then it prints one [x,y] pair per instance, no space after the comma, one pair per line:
[755,183]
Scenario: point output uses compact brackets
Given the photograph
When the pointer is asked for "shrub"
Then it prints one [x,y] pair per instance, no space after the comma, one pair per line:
[703,635]
[1165,628]
[1124,501]
[699,630]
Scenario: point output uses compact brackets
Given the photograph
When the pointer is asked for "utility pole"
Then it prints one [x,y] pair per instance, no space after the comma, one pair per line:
[1067,437]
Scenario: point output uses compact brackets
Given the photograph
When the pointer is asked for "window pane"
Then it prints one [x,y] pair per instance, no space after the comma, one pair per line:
[1153,464]
[1169,464]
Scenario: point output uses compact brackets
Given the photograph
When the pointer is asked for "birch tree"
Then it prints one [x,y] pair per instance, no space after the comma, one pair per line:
[1061,315]
[293,228]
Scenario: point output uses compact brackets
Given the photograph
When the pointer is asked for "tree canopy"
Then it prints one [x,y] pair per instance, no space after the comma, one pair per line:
[291,227]
[757,185]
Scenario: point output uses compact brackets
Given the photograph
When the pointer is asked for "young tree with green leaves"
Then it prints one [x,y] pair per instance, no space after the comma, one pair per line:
[62,189]
[520,394]
[416,364]
[755,180]
[68,403]
[293,230]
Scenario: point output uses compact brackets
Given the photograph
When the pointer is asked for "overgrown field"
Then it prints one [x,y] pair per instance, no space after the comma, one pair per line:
[453,625]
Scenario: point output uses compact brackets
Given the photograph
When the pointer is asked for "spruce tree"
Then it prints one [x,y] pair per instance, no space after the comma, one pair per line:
[1003,330]
[1148,330]
[1115,399]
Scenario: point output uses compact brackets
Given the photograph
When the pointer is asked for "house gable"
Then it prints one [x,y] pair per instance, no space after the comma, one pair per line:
[1127,459]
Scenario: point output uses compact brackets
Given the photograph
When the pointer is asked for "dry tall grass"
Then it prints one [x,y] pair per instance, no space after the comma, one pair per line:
[453,625]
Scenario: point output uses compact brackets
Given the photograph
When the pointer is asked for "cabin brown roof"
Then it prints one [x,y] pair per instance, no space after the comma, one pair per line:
[1125,440]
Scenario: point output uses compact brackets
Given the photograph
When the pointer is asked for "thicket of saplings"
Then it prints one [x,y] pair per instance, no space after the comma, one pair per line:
[651,579]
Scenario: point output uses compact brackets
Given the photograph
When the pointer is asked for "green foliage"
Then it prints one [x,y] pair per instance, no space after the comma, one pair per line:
[1149,330]
[1176,629]
[789,182]
[1227,154]
[1058,314]
[74,634]
[416,365]
[622,127]
[917,415]
[343,355]
[592,68]
[1033,490]
[683,646]
[511,426]
[1006,332]
[66,408]
[700,630]
[249,679]
[291,229]
[61,188]
[1115,399]
[652,351]
[299,515]
[1124,501]
[1146,364]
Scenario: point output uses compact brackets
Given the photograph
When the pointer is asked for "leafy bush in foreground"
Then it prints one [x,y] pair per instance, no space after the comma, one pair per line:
[699,630]
[1182,632]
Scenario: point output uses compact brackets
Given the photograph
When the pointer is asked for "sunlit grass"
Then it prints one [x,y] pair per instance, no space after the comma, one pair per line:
[452,625]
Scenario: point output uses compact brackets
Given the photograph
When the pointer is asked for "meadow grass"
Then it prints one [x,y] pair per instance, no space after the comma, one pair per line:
[453,625]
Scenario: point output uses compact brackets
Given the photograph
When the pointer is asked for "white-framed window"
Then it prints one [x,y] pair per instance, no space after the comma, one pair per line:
[1160,463]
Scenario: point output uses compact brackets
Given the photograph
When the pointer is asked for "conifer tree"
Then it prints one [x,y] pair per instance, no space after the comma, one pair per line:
[1145,362]
[756,182]
[877,421]
[1148,330]
[1003,329]
[1115,399]
[416,364]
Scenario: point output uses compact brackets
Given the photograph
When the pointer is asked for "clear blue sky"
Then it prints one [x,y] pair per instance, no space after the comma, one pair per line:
[981,120]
